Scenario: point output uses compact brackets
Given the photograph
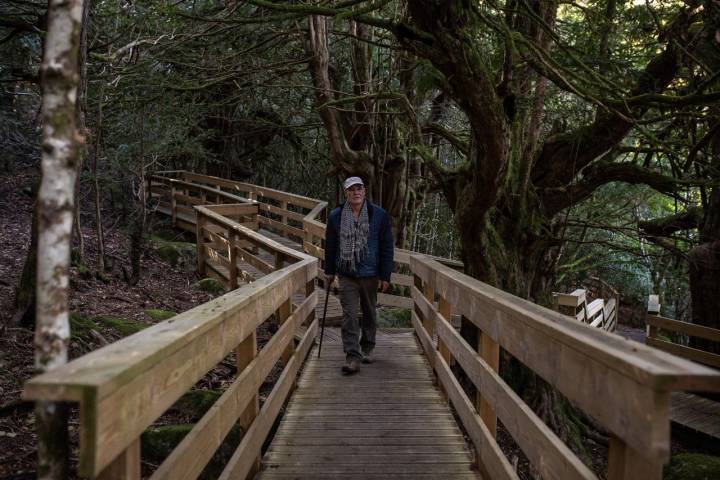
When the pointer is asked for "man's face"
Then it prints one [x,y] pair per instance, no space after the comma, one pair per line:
[355,195]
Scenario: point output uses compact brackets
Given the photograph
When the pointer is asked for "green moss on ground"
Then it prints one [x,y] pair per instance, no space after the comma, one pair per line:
[174,253]
[394,318]
[159,315]
[169,254]
[123,326]
[211,286]
[164,235]
[693,466]
[158,442]
[84,271]
[196,402]
[80,326]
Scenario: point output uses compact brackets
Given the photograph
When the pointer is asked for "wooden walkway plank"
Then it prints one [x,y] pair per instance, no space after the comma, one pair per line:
[688,410]
[387,421]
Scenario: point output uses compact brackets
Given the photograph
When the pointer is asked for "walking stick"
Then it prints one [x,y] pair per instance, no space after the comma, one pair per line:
[322,324]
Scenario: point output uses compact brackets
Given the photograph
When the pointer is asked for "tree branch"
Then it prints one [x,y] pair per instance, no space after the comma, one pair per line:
[563,156]
[666,226]
[461,145]
[557,198]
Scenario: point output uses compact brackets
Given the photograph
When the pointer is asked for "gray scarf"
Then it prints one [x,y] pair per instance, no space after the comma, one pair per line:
[353,238]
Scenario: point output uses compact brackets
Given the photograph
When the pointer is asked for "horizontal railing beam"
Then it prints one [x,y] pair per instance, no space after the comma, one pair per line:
[125,386]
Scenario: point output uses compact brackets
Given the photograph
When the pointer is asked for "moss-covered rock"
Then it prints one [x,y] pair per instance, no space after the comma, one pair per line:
[158,442]
[196,402]
[80,326]
[159,315]
[164,235]
[693,466]
[174,253]
[123,326]
[394,318]
[211,286]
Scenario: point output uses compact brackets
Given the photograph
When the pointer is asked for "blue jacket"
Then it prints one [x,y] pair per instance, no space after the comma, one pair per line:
[379,260]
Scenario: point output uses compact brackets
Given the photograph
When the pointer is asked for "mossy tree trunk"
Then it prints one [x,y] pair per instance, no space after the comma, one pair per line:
[512,188]
[704,262]
[378,148]
[55,207]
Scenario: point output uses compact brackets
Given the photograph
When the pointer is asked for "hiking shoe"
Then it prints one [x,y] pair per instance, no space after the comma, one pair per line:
[368,357]
[351,367]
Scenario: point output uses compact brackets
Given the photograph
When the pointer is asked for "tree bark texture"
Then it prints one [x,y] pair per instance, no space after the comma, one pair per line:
[60,146]
[376,148]
[137,235]
[507,195]
[704,263]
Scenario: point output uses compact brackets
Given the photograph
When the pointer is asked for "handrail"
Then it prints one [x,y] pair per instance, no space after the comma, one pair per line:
[125,386]
[655,323]
[599,313]
[309,229]
[584,364]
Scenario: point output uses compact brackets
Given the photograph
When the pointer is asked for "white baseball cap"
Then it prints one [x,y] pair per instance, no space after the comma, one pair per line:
[350,181]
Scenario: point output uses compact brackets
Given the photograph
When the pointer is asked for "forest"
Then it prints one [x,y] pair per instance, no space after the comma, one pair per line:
[542,143]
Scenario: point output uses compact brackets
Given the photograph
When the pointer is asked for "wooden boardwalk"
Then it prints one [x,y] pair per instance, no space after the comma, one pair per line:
[690,411]
[696,413]
[387,421]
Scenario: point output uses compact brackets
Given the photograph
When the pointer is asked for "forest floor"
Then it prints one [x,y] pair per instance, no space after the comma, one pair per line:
[113,307]
[162,287]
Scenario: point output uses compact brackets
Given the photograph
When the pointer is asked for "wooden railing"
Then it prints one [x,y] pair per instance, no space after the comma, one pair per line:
[623,385]
[600,313]
[124,387]
[299,218]
[178,199]
[677,343]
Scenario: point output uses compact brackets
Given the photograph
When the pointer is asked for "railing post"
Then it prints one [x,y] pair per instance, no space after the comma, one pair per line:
[429,323]
[309,289]
[307,237]
[283,217]
[624,463]
[445,310]
[200,233]
[283,313]
[173,203]
[233,256]
[490,352]
[279,260]
[654,310]
[126,466]
[245,353]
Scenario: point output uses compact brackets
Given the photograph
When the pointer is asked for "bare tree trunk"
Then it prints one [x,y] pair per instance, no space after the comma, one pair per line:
[55,206]
[98,199]
[80,108]
[138,229]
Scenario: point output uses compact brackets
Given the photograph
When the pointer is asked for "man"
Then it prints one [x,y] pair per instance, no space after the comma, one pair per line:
[359,249]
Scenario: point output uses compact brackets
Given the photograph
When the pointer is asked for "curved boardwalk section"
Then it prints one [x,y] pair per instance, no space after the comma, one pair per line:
[387,421]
